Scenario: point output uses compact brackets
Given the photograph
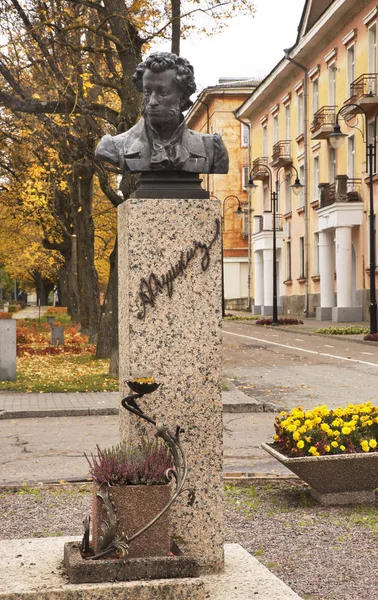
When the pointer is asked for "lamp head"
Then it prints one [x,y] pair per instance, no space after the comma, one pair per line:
[251,185]
[336,139]
[297,186]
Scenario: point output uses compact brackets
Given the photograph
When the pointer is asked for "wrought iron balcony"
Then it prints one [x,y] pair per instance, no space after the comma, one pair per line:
[262,223]
[323,123]
[345,189]
[259,170]
[363,91]
[281,154]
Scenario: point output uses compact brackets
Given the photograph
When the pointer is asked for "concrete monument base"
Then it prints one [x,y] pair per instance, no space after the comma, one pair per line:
[7,350]
[31,569]
[170,283]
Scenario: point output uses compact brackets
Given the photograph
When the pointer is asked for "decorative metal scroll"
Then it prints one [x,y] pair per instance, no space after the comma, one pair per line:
[109,540]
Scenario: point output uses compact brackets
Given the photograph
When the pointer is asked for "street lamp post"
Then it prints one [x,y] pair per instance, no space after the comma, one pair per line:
[239,214]
[296,187]
[336,140]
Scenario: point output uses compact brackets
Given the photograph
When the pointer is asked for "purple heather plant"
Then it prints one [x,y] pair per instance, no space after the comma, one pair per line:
[130,464]
[281,321]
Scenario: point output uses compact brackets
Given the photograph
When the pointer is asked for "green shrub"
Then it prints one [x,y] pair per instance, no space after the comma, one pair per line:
[352,330]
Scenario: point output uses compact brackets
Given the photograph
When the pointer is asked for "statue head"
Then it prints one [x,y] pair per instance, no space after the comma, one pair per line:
[167,82]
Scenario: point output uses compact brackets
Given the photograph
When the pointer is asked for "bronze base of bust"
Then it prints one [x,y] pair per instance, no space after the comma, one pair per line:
[170,184]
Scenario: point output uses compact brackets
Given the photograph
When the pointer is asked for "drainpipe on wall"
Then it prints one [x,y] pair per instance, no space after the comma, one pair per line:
[249,306]
[306,172]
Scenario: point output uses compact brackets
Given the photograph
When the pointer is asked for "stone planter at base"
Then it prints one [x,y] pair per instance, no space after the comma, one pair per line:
[136,506]
[337,479]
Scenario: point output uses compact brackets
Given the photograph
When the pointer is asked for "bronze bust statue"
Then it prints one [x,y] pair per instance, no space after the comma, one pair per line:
[160,141]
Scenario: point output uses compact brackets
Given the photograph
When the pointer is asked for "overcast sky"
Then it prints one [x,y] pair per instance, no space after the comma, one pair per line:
[250,47]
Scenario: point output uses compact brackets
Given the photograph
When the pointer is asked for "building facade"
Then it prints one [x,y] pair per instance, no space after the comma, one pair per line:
[213,112]
[322,235]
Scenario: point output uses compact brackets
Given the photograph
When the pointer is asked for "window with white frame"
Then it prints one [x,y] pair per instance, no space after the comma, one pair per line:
[332,84]
[351,68]
[301,197]
[315,178]
[372,49]
[315,96]
[288,193]
[331,164]
[244,134]
[288,261]
[300,113]
[301,258]
[266,199]
[351,156]
[287,122]
[245,176]
[265,141]
[316,253]
[275,129]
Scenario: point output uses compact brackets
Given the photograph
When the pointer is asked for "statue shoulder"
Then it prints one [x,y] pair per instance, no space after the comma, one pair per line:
[111,147]
[215,144]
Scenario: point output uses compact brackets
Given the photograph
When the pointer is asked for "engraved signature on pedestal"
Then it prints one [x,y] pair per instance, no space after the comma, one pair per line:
[150,287]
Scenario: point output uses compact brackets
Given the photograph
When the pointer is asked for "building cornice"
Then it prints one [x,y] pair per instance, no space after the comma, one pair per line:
[329,25]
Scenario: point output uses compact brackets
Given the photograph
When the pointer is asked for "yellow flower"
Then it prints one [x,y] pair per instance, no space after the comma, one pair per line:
[373,443]
[346,430]
[325,427]
[300,444]
[276,437]
[313,451]
[365,445]
[296,436]
[342,448]
[327,448]
[334,444]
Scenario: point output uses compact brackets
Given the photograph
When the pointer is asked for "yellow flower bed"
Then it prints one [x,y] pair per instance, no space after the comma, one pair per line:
[321,431]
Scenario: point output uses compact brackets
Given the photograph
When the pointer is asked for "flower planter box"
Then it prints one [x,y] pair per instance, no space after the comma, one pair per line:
[136,506]
[337,479]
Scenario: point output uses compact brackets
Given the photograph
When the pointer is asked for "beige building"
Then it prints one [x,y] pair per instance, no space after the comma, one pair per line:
[322,235]
[213,112]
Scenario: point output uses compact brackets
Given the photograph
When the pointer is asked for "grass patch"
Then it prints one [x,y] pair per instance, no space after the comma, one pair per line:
[230,317]
[65,373]
[352,330]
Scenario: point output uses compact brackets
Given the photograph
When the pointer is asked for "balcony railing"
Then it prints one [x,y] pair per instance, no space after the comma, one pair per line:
[323,123]
[364,86]
[345,189]
[281,154]
[259,170]
[265,223]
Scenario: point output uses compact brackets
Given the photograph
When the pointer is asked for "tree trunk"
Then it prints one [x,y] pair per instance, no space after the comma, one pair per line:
[43,288]
[109,309]
[176,26]
[81,184]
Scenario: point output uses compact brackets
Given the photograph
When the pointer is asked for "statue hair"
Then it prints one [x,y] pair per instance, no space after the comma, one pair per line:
[162,61]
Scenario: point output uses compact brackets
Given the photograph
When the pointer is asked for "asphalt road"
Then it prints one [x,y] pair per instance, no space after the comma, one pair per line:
[279,368]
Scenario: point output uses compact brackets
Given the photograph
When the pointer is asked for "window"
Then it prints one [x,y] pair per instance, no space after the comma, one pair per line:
[245,222]
[245,177]
[301,258]
[287,122]
[300,114]
[275,129]
[332,84]
[301,194]
[351,68]
[371,140]
[373,49]
[265,141]
[288,261]
[288,194]
[244,135]
[315,178]
[316,253]
[315,96]
[351,157]
[266,198]
[331,164]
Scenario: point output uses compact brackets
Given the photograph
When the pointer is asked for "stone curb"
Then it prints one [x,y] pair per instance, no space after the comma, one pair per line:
[57,412]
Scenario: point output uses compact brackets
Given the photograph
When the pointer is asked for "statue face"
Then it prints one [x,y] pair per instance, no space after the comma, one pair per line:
[161,98]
